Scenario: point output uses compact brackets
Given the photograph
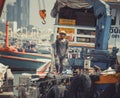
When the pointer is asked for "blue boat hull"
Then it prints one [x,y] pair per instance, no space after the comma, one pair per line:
[25,55]
[21,65]
[22,61]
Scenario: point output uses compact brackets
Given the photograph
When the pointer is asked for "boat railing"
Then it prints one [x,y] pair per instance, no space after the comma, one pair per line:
[75,27]
[79,38]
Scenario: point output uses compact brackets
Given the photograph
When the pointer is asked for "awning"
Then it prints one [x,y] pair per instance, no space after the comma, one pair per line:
[75,4]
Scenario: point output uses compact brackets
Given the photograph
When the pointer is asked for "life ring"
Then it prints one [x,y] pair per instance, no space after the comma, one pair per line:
[81,84]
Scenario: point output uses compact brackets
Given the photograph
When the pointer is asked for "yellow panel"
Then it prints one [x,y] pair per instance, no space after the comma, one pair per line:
[67,21]
[67,30]
[70,33]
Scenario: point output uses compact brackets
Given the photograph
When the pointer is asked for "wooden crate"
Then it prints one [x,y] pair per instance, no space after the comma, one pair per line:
[108,78]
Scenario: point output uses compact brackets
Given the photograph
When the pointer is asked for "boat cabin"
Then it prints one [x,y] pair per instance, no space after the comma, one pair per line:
[79,22]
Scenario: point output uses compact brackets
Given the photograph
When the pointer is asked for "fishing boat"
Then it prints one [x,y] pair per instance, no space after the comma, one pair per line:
[21,60]
[83,44]
[85,39]
[17,60]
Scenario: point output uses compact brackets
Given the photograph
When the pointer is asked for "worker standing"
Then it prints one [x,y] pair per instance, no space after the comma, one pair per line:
[60,53]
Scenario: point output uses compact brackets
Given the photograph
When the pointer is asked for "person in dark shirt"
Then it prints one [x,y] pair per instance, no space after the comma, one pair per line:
[60,53]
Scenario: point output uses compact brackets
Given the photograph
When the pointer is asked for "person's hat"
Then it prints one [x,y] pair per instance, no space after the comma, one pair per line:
[62,32]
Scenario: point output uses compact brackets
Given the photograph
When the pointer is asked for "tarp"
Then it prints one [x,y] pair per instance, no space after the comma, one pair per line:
[1,6]
[76,4]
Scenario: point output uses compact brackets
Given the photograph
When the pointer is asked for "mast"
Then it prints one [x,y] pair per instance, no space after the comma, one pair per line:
[7,35]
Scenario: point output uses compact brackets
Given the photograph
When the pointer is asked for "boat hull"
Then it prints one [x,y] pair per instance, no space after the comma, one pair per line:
[16,64]
[23,61]
[25,54]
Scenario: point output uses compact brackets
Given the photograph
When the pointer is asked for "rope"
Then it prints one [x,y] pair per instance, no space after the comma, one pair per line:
[43,3]
[39,4]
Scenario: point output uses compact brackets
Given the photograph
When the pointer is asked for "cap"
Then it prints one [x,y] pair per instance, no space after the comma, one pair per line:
[62,32]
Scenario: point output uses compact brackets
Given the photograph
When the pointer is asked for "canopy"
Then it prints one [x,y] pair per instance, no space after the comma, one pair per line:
[76,4]
[1,6]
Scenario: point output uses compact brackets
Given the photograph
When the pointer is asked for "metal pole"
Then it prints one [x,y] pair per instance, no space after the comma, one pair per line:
[7,35]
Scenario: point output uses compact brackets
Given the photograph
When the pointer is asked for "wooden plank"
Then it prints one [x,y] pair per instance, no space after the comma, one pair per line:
[111,0]
[109,78]
[67,22]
